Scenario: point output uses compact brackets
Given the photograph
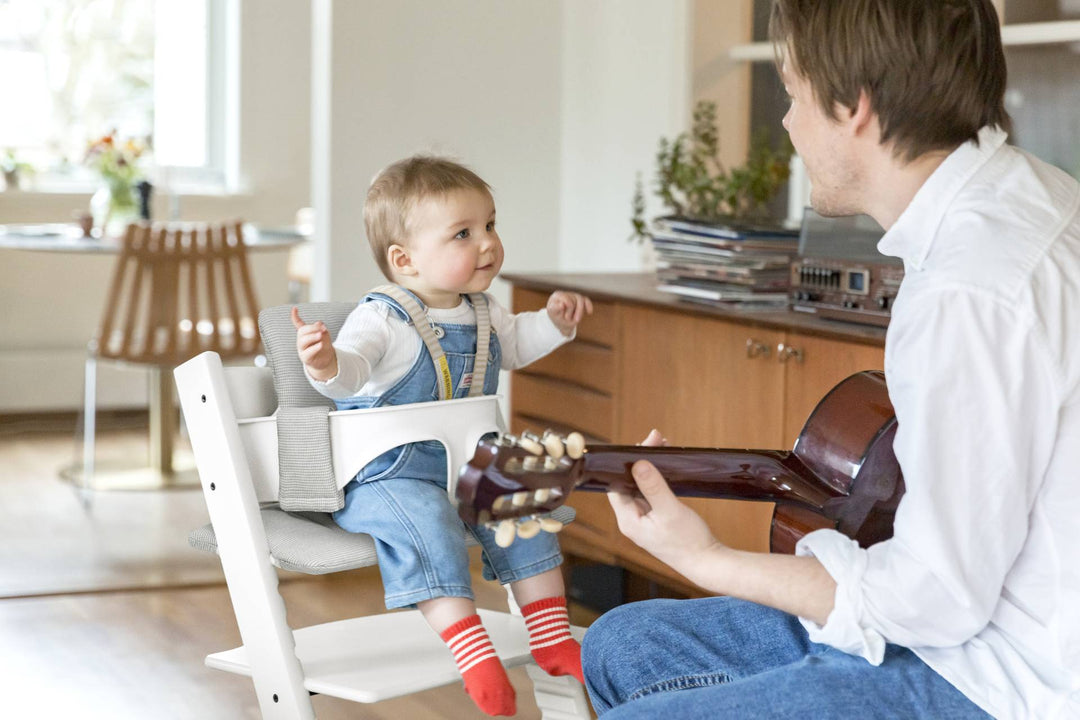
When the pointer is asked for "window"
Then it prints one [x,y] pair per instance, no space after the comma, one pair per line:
[151,70]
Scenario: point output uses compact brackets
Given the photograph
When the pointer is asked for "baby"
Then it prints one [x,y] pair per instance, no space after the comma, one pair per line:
[431,225]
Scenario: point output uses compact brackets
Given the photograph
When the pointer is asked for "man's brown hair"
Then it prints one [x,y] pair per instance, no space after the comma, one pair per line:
[396,191]
[934,70]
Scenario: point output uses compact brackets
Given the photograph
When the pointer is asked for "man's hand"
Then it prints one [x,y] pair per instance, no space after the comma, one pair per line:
[566,310]
[661,523]
[314,347]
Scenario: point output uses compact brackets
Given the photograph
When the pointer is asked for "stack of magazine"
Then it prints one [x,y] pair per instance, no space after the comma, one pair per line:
[742,267]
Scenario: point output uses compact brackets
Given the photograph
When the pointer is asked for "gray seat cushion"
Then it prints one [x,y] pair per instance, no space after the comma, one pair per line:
[312,543]
[304,464]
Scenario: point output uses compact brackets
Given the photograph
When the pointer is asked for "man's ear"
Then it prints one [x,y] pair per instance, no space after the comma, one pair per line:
[399,260]
[861,117]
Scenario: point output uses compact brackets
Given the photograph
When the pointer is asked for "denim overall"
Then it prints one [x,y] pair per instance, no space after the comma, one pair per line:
[401,500]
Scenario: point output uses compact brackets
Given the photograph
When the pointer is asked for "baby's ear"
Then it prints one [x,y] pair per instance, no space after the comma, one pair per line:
[397,257]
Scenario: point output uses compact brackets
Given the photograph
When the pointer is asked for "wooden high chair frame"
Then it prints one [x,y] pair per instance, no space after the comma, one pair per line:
[177,290]
[364,659]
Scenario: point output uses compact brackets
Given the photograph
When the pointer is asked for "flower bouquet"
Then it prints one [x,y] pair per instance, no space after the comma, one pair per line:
[117,162]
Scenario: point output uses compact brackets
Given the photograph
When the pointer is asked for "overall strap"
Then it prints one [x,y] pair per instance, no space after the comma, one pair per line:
[483,339]
[427,334]
[418,315]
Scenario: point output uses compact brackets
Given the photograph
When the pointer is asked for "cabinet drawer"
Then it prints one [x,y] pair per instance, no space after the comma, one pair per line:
[583,363]
[562,404]
[599,327]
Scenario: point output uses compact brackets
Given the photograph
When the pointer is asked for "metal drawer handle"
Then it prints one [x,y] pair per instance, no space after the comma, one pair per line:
[788,352]
[755,348]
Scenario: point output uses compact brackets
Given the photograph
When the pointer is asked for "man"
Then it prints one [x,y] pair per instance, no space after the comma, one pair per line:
[973,607]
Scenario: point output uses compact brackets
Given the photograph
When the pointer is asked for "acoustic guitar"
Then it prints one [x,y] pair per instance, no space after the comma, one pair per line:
[841,473]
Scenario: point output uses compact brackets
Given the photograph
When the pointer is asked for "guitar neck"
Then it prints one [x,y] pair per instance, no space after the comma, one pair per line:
[771,475]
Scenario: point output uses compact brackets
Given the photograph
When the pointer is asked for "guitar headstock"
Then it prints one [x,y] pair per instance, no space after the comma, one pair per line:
[512,480]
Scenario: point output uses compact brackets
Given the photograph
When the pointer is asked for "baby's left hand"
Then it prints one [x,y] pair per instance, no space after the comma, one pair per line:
[566,310]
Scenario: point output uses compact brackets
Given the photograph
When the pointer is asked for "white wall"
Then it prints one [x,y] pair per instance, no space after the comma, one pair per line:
[477,80]
[626,82]
[557,105]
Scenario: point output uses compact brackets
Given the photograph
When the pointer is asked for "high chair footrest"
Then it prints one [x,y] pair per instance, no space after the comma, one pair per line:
[378,657]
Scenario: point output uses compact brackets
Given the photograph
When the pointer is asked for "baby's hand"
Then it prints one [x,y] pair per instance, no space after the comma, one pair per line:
[314,347]
[566,310]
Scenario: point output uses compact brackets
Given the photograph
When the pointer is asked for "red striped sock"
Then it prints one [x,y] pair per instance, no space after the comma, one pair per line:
[485,679]
[549,637]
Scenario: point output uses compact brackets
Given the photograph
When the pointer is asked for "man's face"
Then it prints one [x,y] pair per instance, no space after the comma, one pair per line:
[824,148]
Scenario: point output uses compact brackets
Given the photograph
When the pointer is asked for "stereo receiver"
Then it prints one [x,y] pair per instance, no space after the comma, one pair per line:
[839,273]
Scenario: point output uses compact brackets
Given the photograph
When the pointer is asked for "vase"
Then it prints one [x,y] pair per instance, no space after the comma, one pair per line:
[113,208]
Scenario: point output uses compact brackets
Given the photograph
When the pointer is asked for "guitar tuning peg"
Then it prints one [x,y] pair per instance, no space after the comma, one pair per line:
[505,533]
[528,528]
[507,440]
[520,498]
[553,443]
[551,525]
[550,463]
[530,442]
[541,496]
[575,445]
[532,462]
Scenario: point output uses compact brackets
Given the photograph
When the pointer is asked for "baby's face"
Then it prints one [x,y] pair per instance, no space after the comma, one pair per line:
[453,246]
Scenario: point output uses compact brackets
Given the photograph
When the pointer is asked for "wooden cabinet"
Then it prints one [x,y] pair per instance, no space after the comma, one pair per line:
[813,366]
[701,380]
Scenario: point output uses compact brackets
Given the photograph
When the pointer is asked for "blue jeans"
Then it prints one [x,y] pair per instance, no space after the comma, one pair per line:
[420,540]
[725,658]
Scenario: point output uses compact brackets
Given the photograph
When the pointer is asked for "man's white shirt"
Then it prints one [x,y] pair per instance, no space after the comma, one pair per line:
[982,577]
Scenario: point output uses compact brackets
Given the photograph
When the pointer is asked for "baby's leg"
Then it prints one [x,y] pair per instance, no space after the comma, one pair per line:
[458,624]
[538,587]
[423,561]
[443,612]
[542,599]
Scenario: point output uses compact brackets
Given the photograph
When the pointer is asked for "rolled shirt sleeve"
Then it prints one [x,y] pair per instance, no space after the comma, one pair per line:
[969,379]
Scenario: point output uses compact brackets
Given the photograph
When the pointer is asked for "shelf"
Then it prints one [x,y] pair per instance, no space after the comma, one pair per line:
[1042,33]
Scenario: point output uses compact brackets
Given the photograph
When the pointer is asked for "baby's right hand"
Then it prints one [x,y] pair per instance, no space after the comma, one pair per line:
[314,347]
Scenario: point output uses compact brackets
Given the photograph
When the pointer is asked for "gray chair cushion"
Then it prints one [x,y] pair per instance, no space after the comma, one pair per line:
[279,337]
[312,543]
[304,461]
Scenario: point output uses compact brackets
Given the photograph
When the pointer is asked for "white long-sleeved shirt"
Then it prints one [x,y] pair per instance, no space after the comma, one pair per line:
[376,347]
[982,576]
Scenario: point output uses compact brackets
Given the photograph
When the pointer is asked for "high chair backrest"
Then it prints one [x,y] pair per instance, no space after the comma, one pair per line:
[178,290]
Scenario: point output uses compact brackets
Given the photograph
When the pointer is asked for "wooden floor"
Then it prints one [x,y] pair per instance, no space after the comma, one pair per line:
[98,622]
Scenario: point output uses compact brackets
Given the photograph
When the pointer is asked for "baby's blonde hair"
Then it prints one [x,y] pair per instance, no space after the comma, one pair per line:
[397,190]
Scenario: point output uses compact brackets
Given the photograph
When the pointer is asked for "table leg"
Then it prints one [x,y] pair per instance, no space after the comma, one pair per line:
[162,420]
[162,473]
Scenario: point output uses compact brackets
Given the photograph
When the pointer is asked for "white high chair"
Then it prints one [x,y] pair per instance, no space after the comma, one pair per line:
[365,659]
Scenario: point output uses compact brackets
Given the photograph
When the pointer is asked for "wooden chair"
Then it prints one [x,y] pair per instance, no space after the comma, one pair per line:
[177,290]
[364,659]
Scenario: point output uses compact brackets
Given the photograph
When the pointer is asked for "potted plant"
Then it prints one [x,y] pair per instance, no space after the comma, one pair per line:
[695,185]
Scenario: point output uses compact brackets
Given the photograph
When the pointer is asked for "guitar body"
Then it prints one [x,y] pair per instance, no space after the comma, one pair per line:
[847,444]
[841,473]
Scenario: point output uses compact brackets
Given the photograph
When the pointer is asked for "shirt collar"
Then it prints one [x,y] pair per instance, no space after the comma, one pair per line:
[912,235]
